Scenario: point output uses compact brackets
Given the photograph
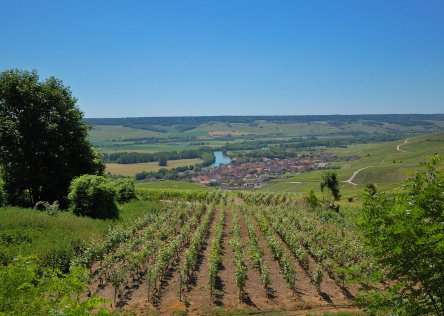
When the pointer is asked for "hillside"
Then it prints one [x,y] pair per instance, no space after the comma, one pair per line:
[173,133]
[386,165]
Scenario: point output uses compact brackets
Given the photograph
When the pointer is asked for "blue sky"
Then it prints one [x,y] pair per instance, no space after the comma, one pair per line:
[174,58]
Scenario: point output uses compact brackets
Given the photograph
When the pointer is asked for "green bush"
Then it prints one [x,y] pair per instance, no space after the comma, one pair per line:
[311,199]
[93,196]
[28,289]
[126,190]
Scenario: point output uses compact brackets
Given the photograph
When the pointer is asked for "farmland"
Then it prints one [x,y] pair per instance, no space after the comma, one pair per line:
[225,252]
[385,166]
[162,134]
[181,247]
[132,169]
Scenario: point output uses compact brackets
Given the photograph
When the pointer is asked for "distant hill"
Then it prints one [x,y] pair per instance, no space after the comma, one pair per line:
[184,122]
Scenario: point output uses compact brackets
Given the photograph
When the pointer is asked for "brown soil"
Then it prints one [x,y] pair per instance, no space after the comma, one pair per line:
[255,296]
[305,300]
[330,293]
[306,296]
[198,297]
[228,293]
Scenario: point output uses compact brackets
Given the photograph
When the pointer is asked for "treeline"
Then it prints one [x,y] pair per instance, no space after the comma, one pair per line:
[166,174]
[265,147]
[204,153]
[187,123]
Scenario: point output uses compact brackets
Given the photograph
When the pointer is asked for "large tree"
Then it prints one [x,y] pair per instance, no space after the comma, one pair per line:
[43,139]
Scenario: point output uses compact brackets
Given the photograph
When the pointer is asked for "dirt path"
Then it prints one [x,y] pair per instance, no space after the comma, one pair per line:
[229,296]
[198,297]
[281,297]
[350,180]
[398,147]
[255,296]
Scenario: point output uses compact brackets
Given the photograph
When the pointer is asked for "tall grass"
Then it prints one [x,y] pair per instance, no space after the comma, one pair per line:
[55,239]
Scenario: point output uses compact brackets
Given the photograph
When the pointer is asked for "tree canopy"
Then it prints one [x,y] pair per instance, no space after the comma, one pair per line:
[330,181]
[405,232]
[43,139]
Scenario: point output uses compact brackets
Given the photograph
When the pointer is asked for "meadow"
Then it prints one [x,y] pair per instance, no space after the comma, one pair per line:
[56,238]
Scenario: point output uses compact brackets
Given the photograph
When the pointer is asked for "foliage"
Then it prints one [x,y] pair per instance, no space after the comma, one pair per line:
[137,157]
[93,196]
[215,256]
[406,235]
[317,277]
[125,189]
[163,160]
[330,181]
[27,289]
[371,188]
[51,209]
[43,139]
[2,195]
[311,199]
[240,272]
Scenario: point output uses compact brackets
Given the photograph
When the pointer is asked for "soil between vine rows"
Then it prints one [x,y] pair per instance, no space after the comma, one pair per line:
[197,297]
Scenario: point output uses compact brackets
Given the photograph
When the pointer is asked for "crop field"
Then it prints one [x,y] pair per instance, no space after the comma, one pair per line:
[137,134]
[217,252]
[132,169]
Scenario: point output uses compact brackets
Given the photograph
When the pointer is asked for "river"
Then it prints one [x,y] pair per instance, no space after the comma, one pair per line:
[221,159]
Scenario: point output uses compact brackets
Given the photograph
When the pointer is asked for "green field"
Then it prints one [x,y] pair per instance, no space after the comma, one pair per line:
[132,169]
[163,134]
[386,166]
[55,239]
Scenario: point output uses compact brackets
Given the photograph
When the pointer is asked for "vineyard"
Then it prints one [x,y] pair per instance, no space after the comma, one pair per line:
[207,251]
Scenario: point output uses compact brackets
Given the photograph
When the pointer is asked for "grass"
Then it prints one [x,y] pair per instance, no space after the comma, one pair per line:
[115,138]
[387,166]
[132,169]
[55,239]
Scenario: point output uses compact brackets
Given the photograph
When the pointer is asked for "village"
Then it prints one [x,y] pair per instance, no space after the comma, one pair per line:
[254,174]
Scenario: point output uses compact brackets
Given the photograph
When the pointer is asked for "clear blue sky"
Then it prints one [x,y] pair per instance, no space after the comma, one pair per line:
[239,57]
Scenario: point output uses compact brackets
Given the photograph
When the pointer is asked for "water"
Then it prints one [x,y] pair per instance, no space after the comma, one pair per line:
[221,159]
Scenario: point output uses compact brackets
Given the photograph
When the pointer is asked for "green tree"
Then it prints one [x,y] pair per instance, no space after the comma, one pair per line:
[330,181]
[93,196]
[43,139]
[406,234]
[163,160]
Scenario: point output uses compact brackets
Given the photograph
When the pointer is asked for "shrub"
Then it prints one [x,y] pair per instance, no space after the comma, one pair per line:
[125,189]
[311,199]
[28,289]
[93,196]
